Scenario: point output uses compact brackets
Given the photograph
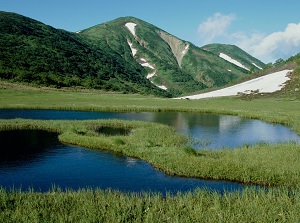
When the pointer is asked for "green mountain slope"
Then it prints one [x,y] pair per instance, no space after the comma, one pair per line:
[152,52]
[177,65]
[211,69]
[33,52]
[237,54]
[125,55]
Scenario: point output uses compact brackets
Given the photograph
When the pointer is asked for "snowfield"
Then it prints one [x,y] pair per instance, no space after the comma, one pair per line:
[229,59]
[265,84]
[131,27]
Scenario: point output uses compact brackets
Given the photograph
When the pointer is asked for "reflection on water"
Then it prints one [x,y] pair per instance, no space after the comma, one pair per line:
[212,131]
[20,147]
[112,131]
[216,131]
[35,159]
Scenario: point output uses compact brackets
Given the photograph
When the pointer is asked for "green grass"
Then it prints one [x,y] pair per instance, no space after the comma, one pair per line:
[166,150]
[264,164]
[249,165]
[275,110]
[87,205]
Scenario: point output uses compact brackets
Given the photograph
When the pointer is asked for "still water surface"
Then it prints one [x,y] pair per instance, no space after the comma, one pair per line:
[210,130]
[36,159]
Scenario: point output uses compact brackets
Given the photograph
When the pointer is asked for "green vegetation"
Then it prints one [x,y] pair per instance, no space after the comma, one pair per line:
[261,164]
[275,166]
[143,137]
[200,63]
[237,54]
[162,147]
[100,58]
[283,110]
[87,205]
[32,52]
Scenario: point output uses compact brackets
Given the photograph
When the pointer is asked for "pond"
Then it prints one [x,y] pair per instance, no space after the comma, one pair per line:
[208,131]
[37,160]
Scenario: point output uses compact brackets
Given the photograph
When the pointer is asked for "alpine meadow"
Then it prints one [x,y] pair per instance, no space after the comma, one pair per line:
[129,65]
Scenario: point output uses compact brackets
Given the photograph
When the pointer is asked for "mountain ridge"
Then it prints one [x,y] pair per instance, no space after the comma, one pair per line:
[171,46]
[138,57]
[245,61]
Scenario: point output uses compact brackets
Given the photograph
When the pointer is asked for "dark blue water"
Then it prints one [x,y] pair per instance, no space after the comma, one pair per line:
[37,160]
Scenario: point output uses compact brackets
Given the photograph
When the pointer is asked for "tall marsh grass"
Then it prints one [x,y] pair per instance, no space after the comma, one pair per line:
[262,164]
[87,205]
[167,150]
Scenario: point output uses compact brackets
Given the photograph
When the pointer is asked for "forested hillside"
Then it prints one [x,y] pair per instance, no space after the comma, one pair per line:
[36,53]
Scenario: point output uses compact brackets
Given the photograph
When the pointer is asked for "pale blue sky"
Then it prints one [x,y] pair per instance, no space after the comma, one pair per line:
[268,29]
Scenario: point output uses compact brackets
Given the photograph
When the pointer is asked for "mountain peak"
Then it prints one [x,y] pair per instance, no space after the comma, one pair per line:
[126,54]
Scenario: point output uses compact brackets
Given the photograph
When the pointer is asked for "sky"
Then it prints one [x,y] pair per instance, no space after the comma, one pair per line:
[267,29]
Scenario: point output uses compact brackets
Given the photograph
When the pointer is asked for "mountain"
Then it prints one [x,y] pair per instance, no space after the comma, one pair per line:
[33,52]
[171,63]
[235,55]
[125,55]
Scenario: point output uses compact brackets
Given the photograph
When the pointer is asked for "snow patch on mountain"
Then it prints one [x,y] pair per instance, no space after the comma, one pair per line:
[162,87]
[144,63]
[231,60]
[152,74]
[257,66]
[147,65]
[133,50]
[265,84]
[131,27]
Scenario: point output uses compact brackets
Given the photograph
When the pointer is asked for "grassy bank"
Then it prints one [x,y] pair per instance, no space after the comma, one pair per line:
[162,147]
[275,110]
[166,150]
[260,164]
[86,205]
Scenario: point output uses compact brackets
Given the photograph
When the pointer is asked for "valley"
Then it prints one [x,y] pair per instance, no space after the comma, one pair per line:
[130,66]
